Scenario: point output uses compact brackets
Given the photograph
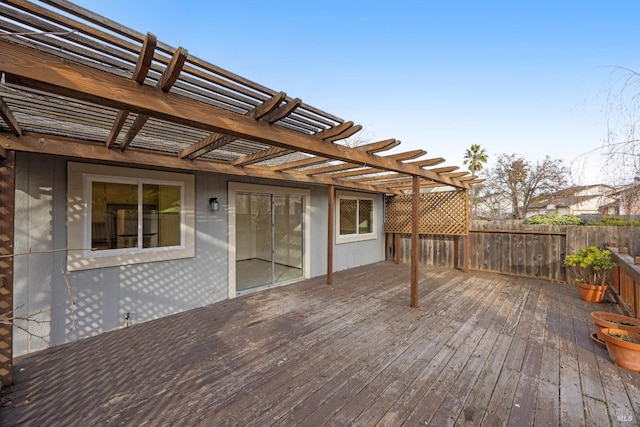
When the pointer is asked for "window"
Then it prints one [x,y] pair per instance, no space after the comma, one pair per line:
[134,215]
[355,218]
[125,216]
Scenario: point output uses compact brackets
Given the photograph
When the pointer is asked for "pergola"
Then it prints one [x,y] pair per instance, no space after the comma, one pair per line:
[76,84]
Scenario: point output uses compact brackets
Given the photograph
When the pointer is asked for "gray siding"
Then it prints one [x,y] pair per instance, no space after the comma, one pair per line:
[345,255]
[102,297]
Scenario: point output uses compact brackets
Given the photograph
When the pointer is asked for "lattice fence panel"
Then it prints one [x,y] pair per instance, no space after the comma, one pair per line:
[440,213]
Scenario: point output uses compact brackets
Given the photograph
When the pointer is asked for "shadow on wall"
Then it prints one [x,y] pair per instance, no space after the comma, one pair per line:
[103,297]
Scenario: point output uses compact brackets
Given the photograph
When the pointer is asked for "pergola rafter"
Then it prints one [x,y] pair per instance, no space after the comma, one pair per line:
[368,171]
[347,165]
[456,174]
[139,75]
[166,81]
[427,162]
[215,141]
[371,148]
[444,169]
[273,152]
[9,118]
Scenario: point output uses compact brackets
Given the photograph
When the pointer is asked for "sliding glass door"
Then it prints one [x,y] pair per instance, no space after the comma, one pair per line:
[269,239]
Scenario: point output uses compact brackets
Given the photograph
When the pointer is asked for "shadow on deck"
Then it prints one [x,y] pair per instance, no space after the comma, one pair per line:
[481,349]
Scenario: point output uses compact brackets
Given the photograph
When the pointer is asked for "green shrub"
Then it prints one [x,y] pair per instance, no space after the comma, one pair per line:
[617,221]
[591,264]
[553,219]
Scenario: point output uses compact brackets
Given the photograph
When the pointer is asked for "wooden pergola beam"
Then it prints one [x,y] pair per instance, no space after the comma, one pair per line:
[27,67]
[427,162]
[444,169]
[167,79]
[146,57]
[349,132]
[139,75]
[172,72]
[260,156]
[420,163]
[273,152]
[368,171]
[300,163]
[456,174]
[374,147]
[407,155]
[377,147]
[335,130]
[59,146]
[400,184]
[9,118]
[371,148]
[388,178]
[472,179]
[282,111]
[215,141]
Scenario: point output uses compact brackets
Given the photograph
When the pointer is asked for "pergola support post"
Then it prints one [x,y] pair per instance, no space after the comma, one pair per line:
[7,216]
[467,247]
[415,209]
[330,226]
[396,244]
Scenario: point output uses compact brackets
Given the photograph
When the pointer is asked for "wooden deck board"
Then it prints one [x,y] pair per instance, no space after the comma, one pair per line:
[482,349]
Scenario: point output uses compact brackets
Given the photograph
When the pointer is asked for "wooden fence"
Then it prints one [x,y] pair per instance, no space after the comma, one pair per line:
[515,248]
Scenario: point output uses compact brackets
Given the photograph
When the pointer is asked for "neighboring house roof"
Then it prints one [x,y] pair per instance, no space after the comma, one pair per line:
[571,196]
[561,201]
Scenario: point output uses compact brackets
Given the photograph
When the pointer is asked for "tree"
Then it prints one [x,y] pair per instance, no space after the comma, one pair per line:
[621,147]
[360,138]
[520,181]
[475,157]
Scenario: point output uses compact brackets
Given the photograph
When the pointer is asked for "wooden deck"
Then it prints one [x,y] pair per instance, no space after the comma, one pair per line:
[482,349]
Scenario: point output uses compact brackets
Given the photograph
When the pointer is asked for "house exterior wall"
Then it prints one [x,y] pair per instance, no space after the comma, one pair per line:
[590,206]
[102,297]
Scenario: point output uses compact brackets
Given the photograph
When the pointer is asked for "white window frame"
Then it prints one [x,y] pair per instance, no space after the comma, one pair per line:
[357,237]
[80,177]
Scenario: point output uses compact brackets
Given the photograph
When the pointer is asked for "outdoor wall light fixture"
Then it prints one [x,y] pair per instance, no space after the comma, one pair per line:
[214,204]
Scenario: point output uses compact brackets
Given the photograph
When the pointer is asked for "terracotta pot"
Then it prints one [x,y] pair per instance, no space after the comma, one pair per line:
[605,319]
[623,250]
[623,353]
[592,293]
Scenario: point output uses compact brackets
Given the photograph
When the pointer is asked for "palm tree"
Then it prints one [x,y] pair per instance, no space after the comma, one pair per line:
[475,157]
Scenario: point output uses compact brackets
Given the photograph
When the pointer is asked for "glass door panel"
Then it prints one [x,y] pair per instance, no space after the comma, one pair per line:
[287,232]
[253,241]
[269,239]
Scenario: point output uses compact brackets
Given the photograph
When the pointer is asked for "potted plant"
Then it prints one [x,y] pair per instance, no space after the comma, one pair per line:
[623,347]
[606,319]
[591,266]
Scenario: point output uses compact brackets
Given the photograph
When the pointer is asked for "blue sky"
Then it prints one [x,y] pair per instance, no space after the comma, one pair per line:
[524,77]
